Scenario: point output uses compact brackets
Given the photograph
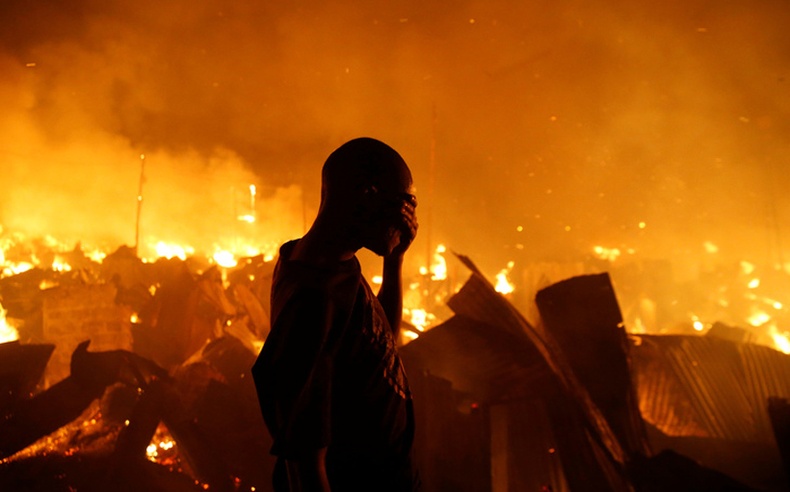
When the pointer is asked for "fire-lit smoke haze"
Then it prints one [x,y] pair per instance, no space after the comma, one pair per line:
[651,126]
[85,189]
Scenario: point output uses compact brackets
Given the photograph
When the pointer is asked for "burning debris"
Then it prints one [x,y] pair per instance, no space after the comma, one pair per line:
[575,403]
[162,401]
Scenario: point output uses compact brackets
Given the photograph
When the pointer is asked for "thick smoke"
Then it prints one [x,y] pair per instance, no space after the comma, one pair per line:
[651,126]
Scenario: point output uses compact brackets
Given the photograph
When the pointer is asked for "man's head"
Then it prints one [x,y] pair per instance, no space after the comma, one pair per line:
[365,183]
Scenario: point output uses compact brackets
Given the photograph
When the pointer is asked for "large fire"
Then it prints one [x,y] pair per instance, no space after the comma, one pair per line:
[744,301]
[736,295]
[751,298]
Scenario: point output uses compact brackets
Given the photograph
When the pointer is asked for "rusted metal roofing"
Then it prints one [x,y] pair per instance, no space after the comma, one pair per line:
[708,387]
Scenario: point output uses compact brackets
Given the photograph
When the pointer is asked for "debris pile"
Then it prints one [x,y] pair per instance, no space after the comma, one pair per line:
[574,403]
[161,401]
[135,376]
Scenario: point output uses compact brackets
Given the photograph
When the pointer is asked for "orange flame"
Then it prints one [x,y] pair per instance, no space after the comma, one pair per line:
[503,283]
[7,332]
[439,265]
[781,340]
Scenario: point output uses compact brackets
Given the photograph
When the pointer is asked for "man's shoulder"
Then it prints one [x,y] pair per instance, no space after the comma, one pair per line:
[296,275]
[298,284]
[303,274]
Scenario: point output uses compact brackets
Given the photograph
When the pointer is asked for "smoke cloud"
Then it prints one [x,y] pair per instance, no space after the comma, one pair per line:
[557,126]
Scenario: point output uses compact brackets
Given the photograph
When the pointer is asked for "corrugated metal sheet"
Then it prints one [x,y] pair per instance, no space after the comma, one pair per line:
[662,399]
[479,301]
[768,374]
[480,359]
[583,316]
[708,387]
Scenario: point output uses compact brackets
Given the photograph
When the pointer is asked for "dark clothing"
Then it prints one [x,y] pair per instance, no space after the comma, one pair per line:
[329,376]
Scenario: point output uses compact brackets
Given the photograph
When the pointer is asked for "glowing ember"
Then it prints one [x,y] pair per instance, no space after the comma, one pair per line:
[16,268]
[150,451]
[47,284]
[162,449]
[419,318]
[165,250]
[96,255]
[410,335]
[697,324]
[225,259]
[781,340]
[608,254]
[710,247]
[747,268]
[7,332]
[758,318]
[503,284]
[439,264]
[60,265]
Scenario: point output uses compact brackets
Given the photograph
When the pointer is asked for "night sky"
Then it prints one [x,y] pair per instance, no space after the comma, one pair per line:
[652,126]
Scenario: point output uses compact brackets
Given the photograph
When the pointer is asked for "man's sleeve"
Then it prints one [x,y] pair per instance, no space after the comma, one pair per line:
[293,376]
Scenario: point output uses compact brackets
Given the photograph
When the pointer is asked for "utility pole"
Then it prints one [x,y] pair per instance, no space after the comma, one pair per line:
[139,206]
[431,180]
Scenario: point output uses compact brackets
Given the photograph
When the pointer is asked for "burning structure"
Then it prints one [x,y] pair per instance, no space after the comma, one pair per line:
[572,402]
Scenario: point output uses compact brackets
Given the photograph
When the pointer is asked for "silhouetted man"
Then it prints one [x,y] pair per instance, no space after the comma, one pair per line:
[331,386]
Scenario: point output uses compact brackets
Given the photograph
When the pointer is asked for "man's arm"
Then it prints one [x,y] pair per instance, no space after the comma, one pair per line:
[308,474]
[391,292]
[293,381]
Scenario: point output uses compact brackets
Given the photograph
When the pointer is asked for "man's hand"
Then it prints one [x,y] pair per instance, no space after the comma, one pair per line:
[407,226]
[391,292]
